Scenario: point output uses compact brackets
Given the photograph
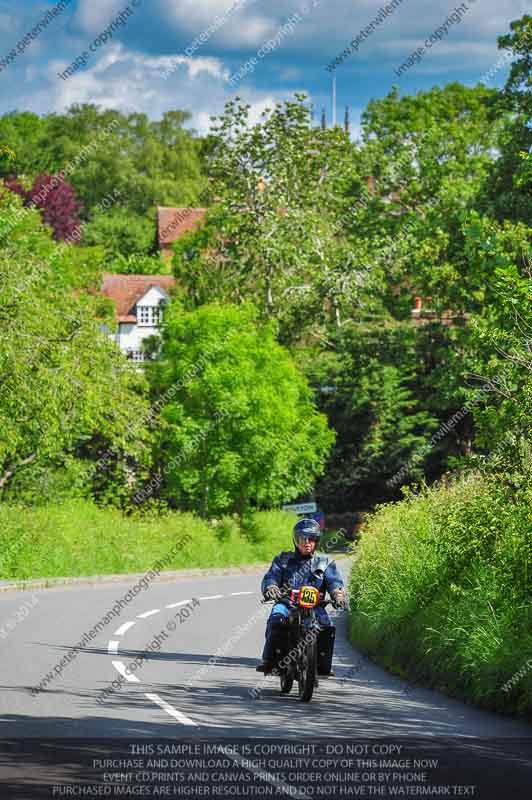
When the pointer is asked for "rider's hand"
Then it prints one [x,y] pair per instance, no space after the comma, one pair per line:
[338,598]
[273,592]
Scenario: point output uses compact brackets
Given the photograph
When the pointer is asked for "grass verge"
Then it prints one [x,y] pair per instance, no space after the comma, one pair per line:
[441,591]
[77,538]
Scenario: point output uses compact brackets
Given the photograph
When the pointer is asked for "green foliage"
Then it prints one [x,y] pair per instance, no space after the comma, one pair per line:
[507,193]
[63,383]
[374,400]
[240,428]
[145,163]
[441,589]
[137,264]
[280,187]
[76,538]
[121,233]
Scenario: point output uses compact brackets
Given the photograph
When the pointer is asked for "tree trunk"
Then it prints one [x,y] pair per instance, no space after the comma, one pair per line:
[10,471]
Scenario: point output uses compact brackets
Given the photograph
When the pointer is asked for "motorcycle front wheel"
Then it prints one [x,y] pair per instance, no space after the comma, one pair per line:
[307,672]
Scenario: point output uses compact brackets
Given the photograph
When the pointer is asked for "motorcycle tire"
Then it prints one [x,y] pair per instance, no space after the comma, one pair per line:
[307,672]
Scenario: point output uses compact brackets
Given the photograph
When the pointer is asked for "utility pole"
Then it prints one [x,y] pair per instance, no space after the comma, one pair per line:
[323,120]
[334,102]
[347,121]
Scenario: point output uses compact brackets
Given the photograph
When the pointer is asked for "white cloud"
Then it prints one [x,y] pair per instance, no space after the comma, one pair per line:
[92,16]
[131,82]
[243,25]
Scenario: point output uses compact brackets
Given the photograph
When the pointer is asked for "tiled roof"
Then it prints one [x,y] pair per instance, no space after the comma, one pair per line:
[126,290]
[174,222]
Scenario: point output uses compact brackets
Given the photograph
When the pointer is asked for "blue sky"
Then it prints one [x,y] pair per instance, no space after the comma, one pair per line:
[128,71]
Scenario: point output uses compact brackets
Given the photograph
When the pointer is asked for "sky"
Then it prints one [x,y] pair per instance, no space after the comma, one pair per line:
[198,54]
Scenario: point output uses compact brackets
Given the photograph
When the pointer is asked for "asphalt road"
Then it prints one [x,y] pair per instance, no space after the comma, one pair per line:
[200,682]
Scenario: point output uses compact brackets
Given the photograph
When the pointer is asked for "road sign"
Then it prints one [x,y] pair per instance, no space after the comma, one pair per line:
[301,508]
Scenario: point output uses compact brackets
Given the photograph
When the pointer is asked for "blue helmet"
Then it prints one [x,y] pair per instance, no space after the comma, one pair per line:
[306,529]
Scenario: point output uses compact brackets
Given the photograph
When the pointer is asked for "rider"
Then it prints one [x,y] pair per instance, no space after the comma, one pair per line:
[291,570]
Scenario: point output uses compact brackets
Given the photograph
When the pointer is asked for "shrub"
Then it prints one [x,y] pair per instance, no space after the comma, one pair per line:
[441,589]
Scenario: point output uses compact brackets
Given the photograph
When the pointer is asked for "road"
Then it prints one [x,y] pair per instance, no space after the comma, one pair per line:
[200,682]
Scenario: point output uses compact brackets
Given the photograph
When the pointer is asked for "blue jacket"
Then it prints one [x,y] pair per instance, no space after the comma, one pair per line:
[291,569]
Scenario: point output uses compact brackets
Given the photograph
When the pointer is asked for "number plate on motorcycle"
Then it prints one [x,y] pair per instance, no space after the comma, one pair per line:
[309,596]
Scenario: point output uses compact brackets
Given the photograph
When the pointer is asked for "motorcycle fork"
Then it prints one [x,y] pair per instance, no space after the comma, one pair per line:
[308,624]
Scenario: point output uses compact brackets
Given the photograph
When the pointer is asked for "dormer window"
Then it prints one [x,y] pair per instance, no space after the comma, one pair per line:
[149,316]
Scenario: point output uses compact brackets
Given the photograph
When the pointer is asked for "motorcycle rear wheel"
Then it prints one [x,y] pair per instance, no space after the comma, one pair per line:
[307,672]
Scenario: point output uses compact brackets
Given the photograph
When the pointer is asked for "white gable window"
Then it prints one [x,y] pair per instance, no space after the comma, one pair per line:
[149,307]
[136,355]
[148,316]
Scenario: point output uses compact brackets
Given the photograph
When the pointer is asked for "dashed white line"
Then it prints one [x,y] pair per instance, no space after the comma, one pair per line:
[123,628]
[171,710]
[148,613]
[121,669]
[175,605]
[112,649]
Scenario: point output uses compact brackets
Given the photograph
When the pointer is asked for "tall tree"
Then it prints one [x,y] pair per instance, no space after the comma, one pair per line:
[280,187]
[238,427]
[508,190]
[64,385]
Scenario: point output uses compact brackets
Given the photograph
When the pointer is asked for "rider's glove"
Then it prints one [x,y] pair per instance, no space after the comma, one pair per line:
[338,598]
[273,592]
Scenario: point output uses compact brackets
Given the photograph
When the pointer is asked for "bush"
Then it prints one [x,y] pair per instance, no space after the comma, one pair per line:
[441,590]
[78,538]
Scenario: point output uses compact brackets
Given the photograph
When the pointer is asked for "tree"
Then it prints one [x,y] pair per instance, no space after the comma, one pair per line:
[508,190]
[149,162]
[371,388]
[238,427]
[65,389]
[137,162]
[280,186]
[121,233]
[57,201]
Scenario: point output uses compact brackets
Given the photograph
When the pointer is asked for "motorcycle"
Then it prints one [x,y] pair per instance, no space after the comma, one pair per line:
[303,648]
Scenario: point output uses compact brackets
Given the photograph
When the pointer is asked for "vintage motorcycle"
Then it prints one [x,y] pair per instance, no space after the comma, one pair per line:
[303,648]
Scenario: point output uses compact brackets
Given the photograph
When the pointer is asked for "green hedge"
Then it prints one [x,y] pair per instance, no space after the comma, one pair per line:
[78,538]
[441,591]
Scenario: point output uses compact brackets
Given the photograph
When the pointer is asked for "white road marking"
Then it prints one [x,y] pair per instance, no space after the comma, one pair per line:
[121,669]
[148,613]
[123,628]
[171,710]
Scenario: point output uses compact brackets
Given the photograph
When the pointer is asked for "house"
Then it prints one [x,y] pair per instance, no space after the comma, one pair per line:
[172,223]
[139,301]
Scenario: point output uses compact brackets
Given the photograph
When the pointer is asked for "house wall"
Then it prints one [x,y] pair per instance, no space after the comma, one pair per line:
[130,336]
